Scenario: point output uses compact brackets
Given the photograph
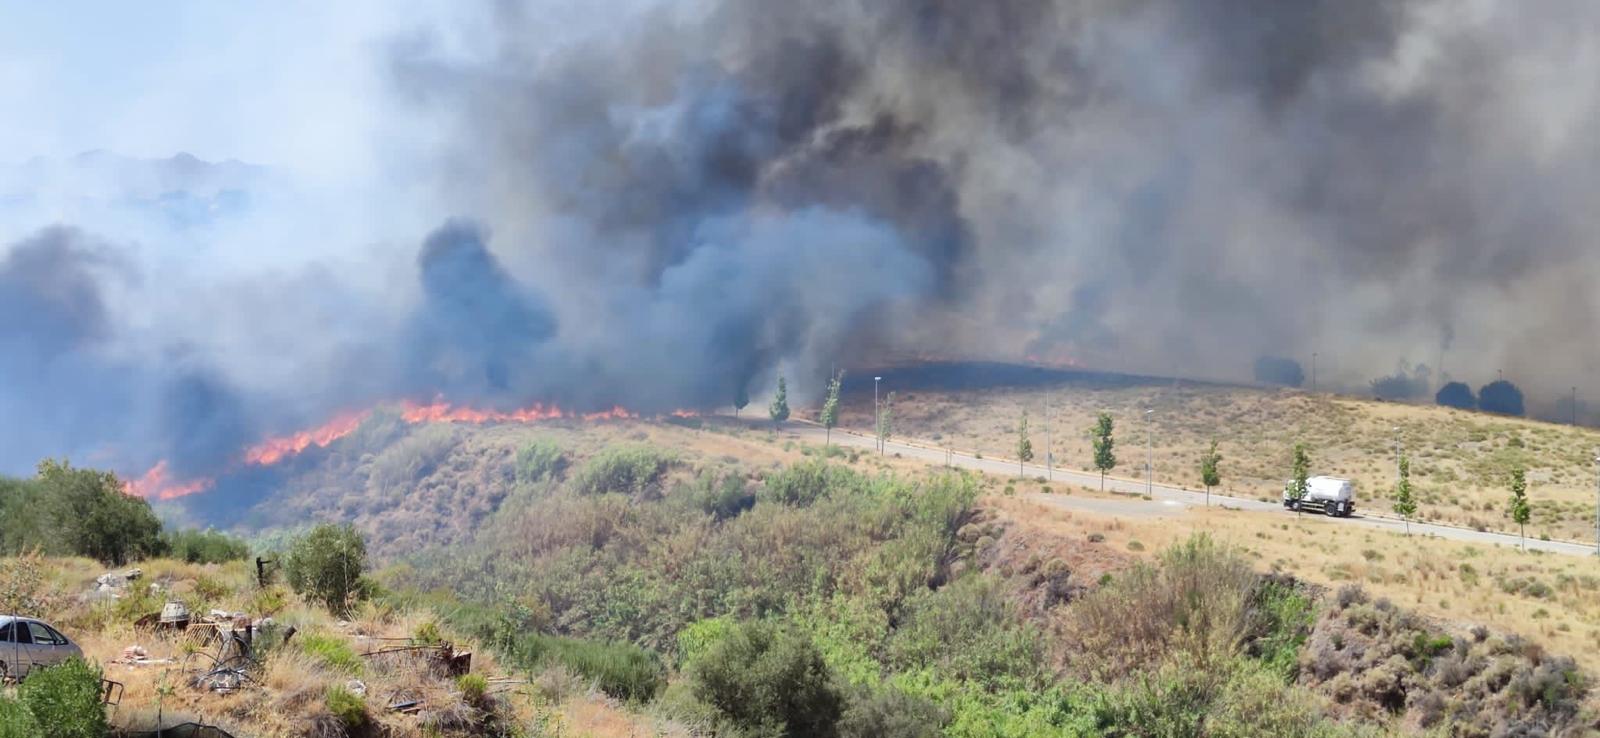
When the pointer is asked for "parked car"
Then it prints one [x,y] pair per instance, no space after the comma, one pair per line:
[27,644]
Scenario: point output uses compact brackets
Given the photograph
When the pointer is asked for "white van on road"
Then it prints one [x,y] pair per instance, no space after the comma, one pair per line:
[27,644]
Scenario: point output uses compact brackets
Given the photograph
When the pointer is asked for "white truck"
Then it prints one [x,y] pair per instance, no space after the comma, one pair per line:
[1330,496]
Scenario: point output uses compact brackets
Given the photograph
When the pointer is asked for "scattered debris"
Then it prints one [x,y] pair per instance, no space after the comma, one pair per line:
[110,692]
[113,584]
[409,655]
[174,615]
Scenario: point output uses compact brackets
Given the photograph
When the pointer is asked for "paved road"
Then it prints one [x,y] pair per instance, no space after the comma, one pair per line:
[1162,493]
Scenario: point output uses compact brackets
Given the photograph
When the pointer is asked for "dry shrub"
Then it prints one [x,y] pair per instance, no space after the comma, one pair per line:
[1194,606]
[1376,660]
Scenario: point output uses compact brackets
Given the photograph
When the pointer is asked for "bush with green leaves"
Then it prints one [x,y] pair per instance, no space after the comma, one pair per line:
[413,457]
[204,546]
[806,482]
[84,512]
[473,688]
[969,631]
[621,670]
[629,470]
[769,680]
[543,459]
[722,496]
[65,700]
[890,713]
[347,708]
[326,565]
[331,651]
[16,720]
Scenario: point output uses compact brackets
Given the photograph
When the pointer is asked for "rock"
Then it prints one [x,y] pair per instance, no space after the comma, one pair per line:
[356,687]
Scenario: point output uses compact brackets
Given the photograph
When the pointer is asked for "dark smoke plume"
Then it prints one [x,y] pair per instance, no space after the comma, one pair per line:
[1139,184]
[685,198]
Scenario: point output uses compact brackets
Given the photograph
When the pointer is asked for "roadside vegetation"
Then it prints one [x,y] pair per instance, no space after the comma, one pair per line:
[622,588]
[1461,463]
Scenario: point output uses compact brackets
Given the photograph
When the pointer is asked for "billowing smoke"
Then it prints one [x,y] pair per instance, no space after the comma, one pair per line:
[659,203]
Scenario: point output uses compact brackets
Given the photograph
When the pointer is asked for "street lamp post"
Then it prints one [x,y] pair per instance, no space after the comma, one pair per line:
[1047,449]
[1397,454]
[877,415]
[1149,455]
[1597,505]
[1313,371]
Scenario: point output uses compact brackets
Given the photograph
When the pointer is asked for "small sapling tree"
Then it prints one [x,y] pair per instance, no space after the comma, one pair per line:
[779,411]
[830,407]
[1210,476]
[1405,503]
[1024,444]
[1105,457]
[1520,510]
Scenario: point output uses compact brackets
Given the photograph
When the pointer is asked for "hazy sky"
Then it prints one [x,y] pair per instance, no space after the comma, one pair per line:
[289,84]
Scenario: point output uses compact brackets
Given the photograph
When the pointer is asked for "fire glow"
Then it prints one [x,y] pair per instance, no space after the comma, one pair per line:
[156,484]
[273,450]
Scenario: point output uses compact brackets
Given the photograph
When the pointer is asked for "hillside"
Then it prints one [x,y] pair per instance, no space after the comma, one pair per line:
[629,577]
[1459,459]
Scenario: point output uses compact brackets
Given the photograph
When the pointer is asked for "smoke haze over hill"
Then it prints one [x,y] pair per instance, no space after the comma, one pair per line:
[651,204]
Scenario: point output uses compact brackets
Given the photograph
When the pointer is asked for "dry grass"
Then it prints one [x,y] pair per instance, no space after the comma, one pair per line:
[1550,599]
[289,700]
[1459,459]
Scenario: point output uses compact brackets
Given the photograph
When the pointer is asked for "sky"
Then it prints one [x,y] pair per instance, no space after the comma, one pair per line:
[294,85]
[659,202]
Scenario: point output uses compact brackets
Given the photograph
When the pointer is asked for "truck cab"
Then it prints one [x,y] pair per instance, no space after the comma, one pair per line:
[1330,496]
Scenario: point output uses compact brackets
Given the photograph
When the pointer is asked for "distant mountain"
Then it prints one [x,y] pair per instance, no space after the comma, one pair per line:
[101,187]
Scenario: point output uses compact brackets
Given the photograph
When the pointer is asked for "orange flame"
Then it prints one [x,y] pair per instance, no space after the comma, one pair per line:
[444,412]
[154,483]
[273,450]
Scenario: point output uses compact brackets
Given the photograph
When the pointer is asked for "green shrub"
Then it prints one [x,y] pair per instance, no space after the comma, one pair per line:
[1280,621]
[413,457]
[349,708]
[80,511]
[332,651]
[427,634]
[540,460]
[65,700]
[473,688]
[968,631]
[16,720]
[700,636]
[724,498]
[325,566]
[205,546]
[1198,604]
[630,470]
[806,482]
[768,680]
[890,713]
[621,670]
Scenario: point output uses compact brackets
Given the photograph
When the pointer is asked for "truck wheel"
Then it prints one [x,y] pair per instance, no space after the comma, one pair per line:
[1332,510]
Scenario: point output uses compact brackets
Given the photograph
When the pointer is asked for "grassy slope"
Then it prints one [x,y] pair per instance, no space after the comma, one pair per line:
[294,680]
[1459,459]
